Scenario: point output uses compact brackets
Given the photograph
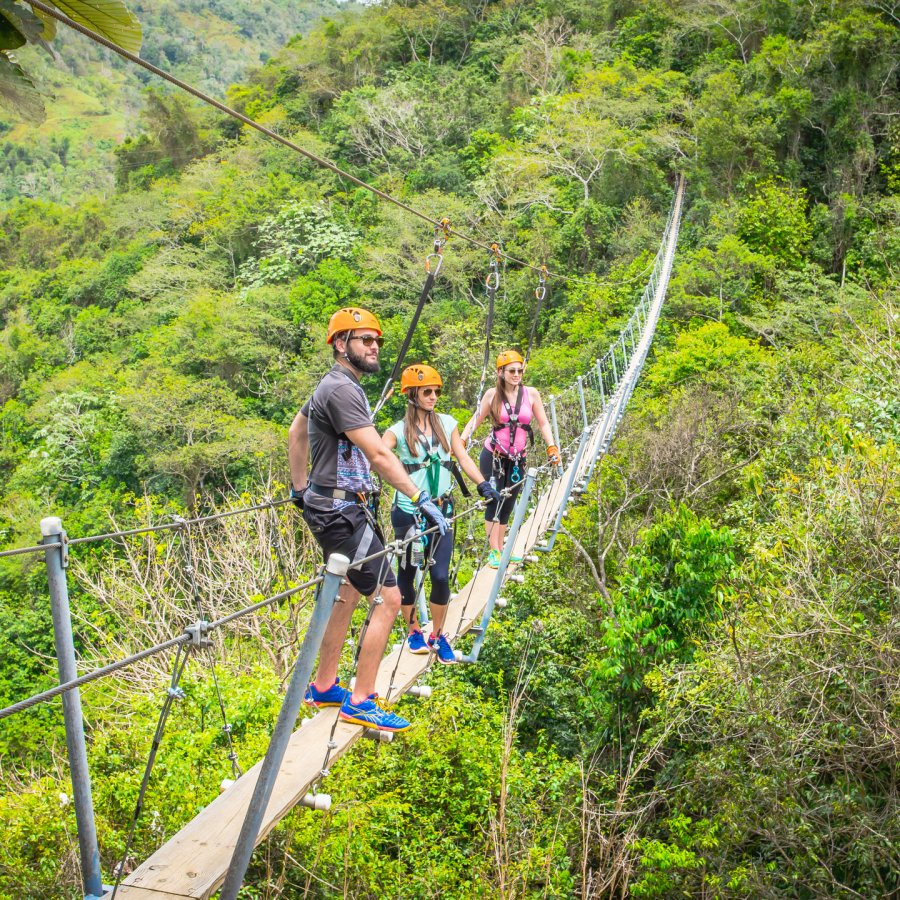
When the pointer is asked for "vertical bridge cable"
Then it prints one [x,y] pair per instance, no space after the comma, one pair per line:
[173,693]
[190,569]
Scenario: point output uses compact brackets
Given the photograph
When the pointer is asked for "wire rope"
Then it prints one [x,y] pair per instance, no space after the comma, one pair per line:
[173,693]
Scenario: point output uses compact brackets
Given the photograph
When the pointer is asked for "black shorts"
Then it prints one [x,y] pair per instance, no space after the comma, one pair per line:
[507,473]
[349,531]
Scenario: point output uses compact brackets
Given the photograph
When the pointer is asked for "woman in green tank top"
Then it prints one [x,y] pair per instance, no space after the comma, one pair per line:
[429,446]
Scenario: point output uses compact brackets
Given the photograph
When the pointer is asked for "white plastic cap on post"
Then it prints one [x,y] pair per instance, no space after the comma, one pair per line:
[380,737]
[51,525]
[318,802]
[337,564]
[423,691]
[501,602]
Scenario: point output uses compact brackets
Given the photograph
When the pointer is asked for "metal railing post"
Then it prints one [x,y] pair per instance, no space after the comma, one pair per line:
[554,425]
[603,443]
[421,605]
[57,559]
[518,517]
[584,415]
[612,356]
[335,570]
[576,463]
[600,379]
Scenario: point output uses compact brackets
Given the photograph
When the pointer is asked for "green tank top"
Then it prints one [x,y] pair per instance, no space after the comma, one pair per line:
[434,478]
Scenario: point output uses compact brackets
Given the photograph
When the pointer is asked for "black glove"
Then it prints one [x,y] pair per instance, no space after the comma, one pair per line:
[431,512]
[489,492]
[297,497]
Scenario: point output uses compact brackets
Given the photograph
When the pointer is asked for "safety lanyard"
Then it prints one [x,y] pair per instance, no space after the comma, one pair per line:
[432,462]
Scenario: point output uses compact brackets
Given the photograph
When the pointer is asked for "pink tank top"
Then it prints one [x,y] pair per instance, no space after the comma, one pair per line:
[499,439]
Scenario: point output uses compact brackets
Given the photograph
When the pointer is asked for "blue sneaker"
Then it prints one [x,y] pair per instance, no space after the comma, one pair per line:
[334,696]
[371,714]
[415,642]
[442,648]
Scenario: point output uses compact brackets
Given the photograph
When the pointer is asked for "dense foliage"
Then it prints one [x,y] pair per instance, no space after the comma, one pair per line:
[696,694]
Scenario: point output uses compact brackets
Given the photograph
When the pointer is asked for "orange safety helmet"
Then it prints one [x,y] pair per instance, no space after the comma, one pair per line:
[507,357]
[349,319]
[419,376]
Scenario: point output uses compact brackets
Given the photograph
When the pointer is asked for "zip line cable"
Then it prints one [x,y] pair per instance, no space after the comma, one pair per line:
[268,132]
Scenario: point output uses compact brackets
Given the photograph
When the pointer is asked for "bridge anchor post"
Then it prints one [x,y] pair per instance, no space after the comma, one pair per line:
[56,559]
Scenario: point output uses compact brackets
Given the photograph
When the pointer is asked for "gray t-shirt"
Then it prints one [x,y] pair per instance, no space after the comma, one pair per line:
[337,405]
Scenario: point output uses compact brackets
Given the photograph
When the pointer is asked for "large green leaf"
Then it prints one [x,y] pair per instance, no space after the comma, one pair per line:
[10,36]
[107,17]
[23,20]
[17,94]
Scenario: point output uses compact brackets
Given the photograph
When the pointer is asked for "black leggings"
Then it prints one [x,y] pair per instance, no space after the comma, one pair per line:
[438,554]
[503,470]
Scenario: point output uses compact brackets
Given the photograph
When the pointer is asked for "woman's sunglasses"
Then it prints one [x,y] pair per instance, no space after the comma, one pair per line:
[428,391]
[368,339]
[514,371]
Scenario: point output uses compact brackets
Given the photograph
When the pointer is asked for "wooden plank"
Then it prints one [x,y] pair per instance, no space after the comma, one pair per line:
[194,862]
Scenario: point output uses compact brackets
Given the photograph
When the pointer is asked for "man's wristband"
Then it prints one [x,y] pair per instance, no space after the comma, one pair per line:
[415,497]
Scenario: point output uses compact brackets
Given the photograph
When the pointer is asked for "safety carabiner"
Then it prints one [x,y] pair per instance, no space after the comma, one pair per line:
[492,282]
[441,236]
[541,290]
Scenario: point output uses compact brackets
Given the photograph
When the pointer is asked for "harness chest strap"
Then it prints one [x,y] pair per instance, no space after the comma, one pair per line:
[513,424]
[449,464]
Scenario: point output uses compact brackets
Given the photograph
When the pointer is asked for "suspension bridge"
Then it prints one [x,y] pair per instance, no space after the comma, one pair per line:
[212,851]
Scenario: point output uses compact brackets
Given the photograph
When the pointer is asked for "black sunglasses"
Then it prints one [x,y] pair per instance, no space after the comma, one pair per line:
[367,339]
[428,391]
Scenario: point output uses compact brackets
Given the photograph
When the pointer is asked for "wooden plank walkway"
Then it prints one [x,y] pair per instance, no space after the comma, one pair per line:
[194,862]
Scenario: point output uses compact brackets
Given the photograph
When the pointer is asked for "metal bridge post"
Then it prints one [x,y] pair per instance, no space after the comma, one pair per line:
[612,356]
[518,518]
[57,559]
[335,570]
[584,415]
[421,605]
[600,379]
[553,423]
[603,443]
[570,481]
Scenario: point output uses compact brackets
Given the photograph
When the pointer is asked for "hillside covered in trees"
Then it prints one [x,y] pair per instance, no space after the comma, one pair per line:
[94,100]
[697,693]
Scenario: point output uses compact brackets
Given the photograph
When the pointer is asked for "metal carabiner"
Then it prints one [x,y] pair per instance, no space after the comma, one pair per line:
[492,282]
[441,236]
[541,290]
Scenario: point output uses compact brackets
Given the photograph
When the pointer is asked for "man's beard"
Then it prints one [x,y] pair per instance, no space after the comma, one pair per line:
[360,362]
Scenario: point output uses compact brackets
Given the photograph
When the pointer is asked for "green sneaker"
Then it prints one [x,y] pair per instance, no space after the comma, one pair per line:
[494,559]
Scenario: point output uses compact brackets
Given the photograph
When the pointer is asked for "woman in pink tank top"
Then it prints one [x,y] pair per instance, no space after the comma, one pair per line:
[512,408]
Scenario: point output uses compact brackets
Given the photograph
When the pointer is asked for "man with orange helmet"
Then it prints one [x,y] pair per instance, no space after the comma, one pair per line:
[333,432]
[512,407]
[431,451]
